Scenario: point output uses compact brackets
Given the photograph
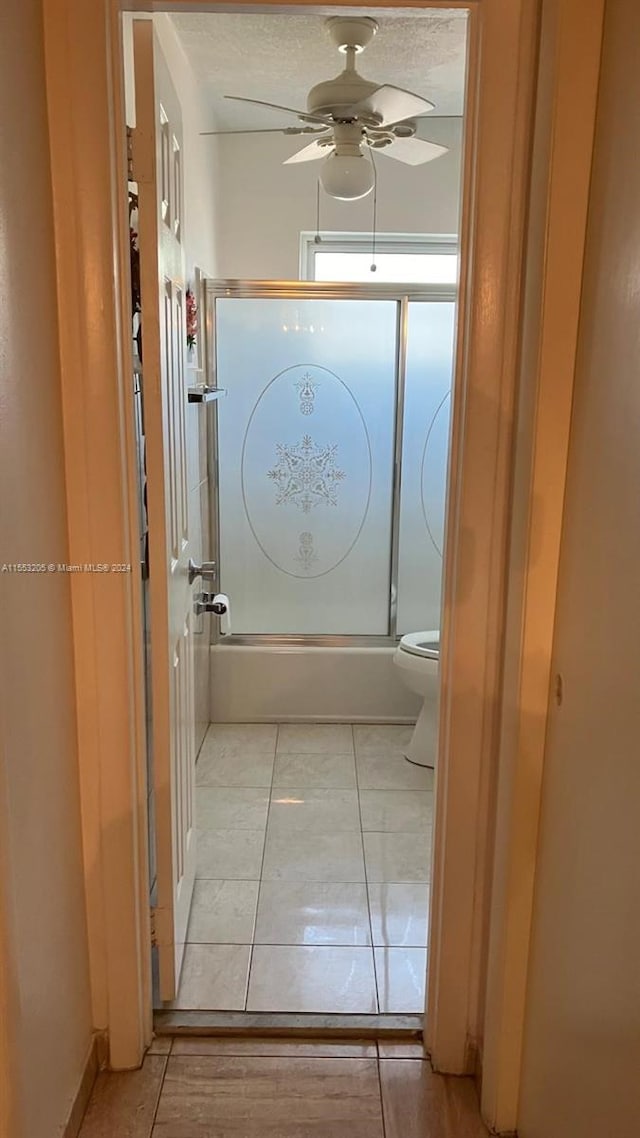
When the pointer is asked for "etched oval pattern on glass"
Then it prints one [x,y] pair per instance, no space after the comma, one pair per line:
[433,474]
[306,471]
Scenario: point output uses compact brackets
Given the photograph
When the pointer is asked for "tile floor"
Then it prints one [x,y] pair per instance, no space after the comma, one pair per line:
[313,871]
[275,1088]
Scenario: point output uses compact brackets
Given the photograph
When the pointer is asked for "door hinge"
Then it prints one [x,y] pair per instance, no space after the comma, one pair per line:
[154,927]
[130,173]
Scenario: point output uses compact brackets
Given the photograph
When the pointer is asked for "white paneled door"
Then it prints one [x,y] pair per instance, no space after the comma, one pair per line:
[158,171]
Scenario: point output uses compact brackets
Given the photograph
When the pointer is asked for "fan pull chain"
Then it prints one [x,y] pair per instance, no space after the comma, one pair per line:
[317,239]
[373,267]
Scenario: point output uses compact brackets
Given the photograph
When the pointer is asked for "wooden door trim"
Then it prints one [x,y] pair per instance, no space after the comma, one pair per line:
[85,86]
[562,157]
[497,155]
[88,161]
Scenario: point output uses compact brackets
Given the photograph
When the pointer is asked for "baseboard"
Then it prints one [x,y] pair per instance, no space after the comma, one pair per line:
[102,1049]
[475,1062]
[476,1059]
[90,1070]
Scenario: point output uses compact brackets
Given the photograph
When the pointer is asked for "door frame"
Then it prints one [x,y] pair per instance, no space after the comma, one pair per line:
[566,107]
[89,162]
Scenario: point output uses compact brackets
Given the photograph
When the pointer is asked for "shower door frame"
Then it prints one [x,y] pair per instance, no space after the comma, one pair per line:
[403,295]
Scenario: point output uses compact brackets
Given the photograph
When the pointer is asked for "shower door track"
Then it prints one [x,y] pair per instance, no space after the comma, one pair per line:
[308,640]
[322,290]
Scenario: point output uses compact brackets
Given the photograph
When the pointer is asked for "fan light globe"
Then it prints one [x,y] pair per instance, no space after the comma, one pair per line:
[347,176]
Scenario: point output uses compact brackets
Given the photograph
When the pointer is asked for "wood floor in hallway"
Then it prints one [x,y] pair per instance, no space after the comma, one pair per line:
[250,1088]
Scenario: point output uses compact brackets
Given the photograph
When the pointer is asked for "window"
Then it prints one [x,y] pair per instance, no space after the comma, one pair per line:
[399,258]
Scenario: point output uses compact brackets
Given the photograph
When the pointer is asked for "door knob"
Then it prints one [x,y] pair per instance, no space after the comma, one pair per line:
[207,570]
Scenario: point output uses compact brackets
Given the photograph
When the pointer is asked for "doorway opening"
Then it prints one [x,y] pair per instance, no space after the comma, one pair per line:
[316,446]
[329,557]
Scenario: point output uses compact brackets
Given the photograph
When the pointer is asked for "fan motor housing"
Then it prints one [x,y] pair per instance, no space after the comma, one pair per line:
[336,96]
[350,34]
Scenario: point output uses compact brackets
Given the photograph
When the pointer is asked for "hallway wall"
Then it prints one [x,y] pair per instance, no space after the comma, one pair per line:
[42,908]
[582,1043]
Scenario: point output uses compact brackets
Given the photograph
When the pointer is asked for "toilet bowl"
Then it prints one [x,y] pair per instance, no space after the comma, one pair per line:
[417,658]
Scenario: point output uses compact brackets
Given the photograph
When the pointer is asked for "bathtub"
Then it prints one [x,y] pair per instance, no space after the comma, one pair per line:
[308,684]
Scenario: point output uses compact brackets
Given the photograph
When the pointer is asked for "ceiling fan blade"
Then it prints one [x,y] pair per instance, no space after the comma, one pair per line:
[392,103]
[413,151]
[268,130]
[276,107]
[309,153]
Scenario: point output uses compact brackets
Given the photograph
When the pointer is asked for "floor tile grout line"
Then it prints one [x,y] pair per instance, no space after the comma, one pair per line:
[297,944]
[160,1090]
[285,1055]
[260,878]
[366,878]
[313,880]
[304,829]
[380,1092]
[320,880]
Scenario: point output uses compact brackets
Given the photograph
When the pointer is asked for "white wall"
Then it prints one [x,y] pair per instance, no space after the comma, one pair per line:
[42,906]
[582,1032]
[201,160]
[264,205]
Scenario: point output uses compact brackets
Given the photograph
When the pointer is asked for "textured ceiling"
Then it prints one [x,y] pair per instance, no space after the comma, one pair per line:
[279,57]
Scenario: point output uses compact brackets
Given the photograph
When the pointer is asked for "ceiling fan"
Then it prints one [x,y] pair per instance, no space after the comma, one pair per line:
[350,116]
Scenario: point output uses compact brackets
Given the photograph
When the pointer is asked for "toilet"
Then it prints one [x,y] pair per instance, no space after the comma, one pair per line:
[417,658]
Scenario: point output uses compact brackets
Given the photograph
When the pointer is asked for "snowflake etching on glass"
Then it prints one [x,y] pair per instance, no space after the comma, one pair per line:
[307,555]
[306,474]
[307,391]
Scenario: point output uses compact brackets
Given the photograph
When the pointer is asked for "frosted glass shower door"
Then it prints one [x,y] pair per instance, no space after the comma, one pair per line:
[306,456]
[425,457]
